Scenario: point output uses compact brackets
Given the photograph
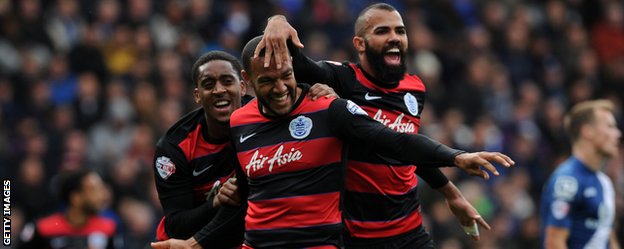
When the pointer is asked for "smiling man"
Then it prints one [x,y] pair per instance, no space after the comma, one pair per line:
[382,206]
[194,159]
[292,158]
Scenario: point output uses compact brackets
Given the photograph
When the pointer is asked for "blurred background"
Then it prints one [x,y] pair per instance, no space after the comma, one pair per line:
[94,83]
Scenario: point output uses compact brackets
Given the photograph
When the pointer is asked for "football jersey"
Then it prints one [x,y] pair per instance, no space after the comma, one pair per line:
[54,232]
[582,201]
[189,168]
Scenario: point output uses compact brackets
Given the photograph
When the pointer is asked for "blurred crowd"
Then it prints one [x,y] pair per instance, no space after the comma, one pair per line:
[95,83]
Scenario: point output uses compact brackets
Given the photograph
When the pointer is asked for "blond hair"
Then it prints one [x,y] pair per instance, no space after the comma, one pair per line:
[584,113]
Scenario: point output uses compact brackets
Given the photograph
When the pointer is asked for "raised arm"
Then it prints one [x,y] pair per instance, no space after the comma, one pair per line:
[355,126]
[276,33]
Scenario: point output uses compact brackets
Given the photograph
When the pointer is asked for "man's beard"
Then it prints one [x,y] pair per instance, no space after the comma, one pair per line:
[384,72]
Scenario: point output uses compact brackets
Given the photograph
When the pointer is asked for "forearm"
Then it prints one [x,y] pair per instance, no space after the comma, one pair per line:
[433,176]
[417,149]
[308,70]
[225,230]
[183,224]
[450,191]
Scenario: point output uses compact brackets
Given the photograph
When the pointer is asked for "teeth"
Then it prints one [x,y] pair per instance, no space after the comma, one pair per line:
[222,103]
[280,98]
[394,50]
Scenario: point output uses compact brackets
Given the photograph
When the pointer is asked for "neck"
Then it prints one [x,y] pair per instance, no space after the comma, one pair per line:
[76,217]
[589,156]
[217,131]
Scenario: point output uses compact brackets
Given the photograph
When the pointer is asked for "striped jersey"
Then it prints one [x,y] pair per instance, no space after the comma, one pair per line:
[294,169]
[293,165]
[381,199]
[189,168]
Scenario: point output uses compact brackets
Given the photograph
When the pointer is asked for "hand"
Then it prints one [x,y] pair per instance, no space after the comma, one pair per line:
[276,33]
[466,214]
[228,194]
[176,244]
[319,90]
[472,162]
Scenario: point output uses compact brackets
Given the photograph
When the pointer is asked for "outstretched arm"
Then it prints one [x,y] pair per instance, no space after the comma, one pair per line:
[354,125]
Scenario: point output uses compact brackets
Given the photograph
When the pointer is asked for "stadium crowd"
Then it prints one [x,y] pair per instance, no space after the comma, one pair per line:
[93,84]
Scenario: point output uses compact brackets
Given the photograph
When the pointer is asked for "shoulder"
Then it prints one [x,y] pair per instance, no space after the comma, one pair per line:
[183,126]
[565,182]
[103,224]
[51,224]
[249,113]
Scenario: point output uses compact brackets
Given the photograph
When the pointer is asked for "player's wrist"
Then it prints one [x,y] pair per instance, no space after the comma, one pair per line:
[192,242]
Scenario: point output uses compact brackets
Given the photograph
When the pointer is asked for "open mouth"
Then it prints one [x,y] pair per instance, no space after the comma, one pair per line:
[222,104]
[392,57]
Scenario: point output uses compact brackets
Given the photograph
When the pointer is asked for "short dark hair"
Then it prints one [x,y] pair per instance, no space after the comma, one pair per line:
[358,28]
[70,182]
[584,113]
[248,52]
[215,55]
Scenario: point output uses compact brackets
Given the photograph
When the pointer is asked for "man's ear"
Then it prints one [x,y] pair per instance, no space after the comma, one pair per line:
[587,131]
[359,44]
[246,77]
[243,87]
[196,95]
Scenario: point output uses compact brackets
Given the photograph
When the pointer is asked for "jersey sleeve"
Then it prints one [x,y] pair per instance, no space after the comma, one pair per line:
[311,72]
[173,179]
[354,125]
[560,195]
[432,176]
[229,222]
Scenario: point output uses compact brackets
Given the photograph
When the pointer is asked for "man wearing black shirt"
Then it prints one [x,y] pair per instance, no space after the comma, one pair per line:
[381,201]
[291,157]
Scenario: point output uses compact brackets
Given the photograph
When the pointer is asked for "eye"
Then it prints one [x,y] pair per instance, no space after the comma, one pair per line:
[227,80]
[401,31]
[381,31]
[208,84]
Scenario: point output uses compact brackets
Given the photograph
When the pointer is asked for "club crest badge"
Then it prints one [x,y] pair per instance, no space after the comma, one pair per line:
[165,167]
[411,103]
[300,127]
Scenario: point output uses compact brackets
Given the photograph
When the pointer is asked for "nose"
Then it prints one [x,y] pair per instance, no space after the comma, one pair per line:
[219,88]
[280,86]
[394,37]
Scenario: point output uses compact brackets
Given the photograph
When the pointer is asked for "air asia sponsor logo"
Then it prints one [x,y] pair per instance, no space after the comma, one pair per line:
[279,159]
[397,125]
[165,167]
